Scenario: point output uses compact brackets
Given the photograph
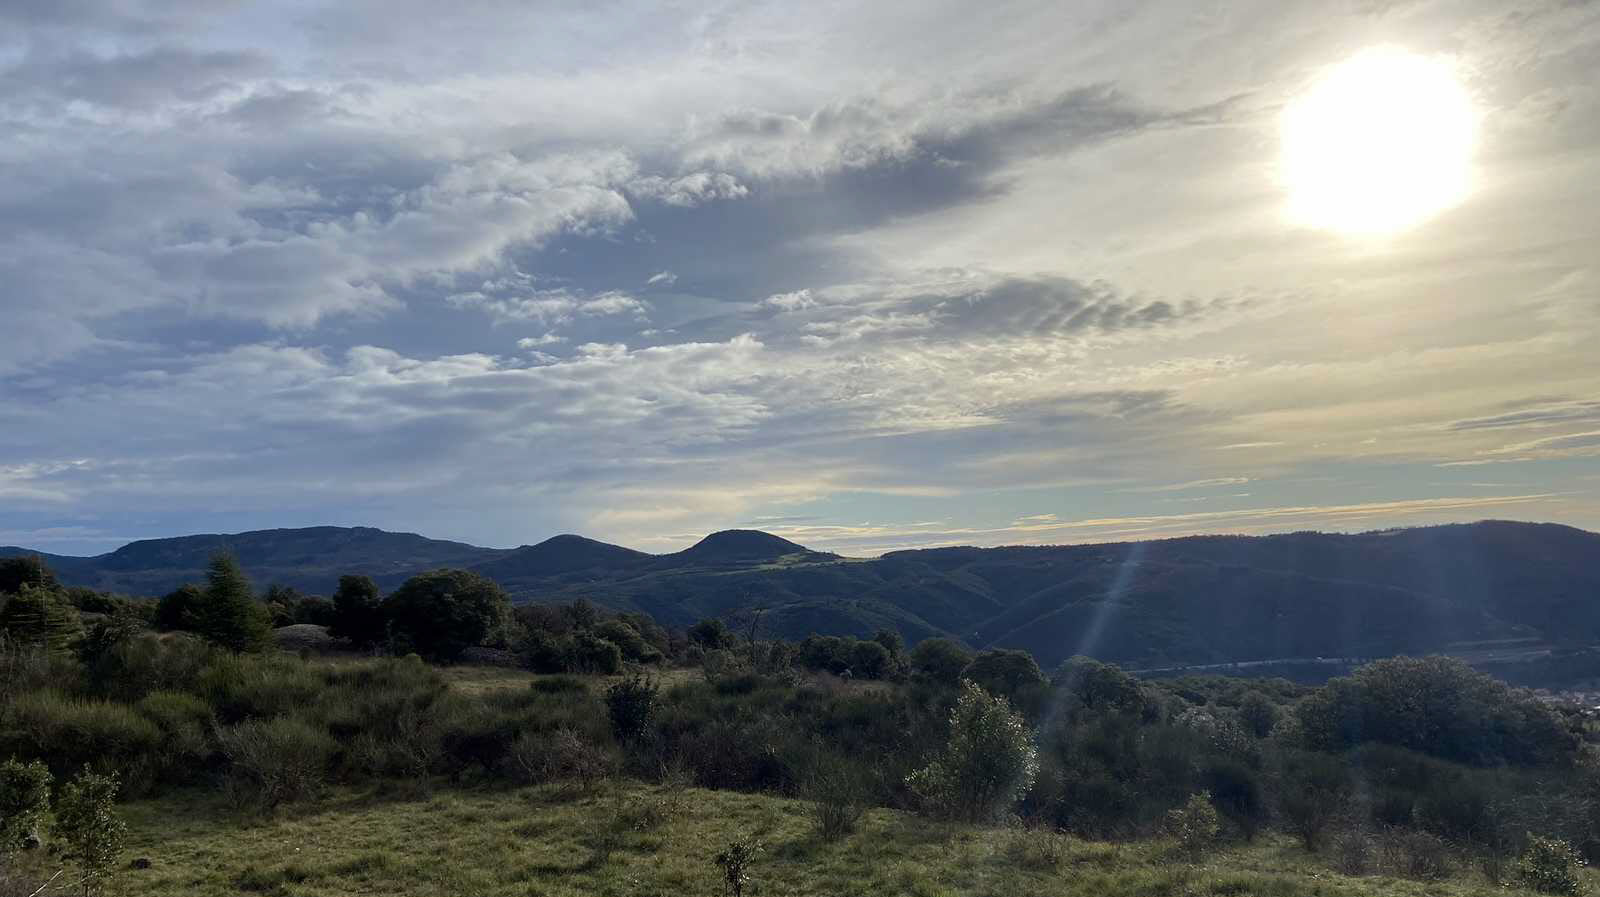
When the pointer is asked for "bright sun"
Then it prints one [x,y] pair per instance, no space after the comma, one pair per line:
[1382,142]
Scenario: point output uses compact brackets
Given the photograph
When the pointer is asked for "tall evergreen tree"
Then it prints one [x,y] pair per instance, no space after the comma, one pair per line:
[36,615]
[357,611]
[228,613]
[31,569]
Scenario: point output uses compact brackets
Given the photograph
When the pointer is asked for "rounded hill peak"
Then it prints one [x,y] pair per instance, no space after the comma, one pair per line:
[744,545]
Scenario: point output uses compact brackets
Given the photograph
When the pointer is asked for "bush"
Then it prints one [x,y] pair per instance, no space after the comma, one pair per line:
[561,755]
[24,801]
[1410,853]
[1550,866]
[274,761]
[1313,791]
[145,662]
[1039,849]
[86,820]
[69,733]
[988,762]
[735,861]
[839,796]
[631,704]
[1195,825]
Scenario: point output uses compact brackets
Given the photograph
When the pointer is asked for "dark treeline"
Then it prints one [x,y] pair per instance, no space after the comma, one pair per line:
[1409,765]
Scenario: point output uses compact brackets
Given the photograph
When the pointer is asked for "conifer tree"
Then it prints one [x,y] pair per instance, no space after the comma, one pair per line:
[228,613]
[36,615]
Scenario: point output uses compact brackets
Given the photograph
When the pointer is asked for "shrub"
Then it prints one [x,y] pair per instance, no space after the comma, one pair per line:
[274,761]
[145,662]
[1313,790]
[184,721]
[631,704]
[1039,849]
[1550,866]
[1411,853]
[988,762]
[561,755]
[735,861]
[1351,850]
[839,796]
[245,686]
[26,668]
[24,801]
[1195,825]
[68,733]
[87,822]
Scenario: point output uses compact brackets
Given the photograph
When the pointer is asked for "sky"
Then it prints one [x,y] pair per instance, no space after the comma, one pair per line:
[866,275]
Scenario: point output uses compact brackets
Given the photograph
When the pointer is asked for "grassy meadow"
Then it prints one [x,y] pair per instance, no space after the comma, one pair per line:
[627,839]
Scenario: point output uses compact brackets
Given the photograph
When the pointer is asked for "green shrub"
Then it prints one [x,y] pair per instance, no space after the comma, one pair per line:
[184,721]
[839,795]
[24,802]
[1195,825]
[631,705]
[561,755]
[69,733]
[144,662]
[1039,849]
[987,763]
[87,823]
[254,686]
[274,761]
[735,861]
[1550,866]
[1313,791]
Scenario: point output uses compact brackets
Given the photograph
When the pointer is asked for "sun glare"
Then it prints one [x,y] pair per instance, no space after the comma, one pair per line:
[1381,143]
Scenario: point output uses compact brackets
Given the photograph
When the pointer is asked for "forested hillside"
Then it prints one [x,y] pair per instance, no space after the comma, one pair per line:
[1200,600]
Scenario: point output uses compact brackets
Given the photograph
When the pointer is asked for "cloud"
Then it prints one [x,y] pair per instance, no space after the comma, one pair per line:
[662,278]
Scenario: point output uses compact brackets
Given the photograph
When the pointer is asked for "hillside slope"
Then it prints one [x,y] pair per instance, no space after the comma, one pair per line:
[1197,600]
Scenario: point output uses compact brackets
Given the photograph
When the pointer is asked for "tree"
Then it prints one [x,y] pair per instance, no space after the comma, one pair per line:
[179,608]
[988,762]
[444,612]
[16,572]
[1004,672]
[1258,714]
[870,660]
[228,614]
[711,634]
[940,660]
[357,611]
[86,819]
[37,615]
[891,642]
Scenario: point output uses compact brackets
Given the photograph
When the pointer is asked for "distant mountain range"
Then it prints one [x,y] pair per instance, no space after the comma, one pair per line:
[1197,600]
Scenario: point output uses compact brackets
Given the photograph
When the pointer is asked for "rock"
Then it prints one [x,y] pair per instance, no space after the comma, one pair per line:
[140,863]
[32,840]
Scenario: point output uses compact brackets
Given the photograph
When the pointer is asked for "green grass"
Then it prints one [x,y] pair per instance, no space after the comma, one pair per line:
[555,842]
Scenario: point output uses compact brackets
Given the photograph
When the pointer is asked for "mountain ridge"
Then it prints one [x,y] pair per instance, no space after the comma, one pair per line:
[1191,599]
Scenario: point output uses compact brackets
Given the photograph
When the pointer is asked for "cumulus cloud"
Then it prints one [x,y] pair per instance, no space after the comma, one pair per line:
[768,263]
